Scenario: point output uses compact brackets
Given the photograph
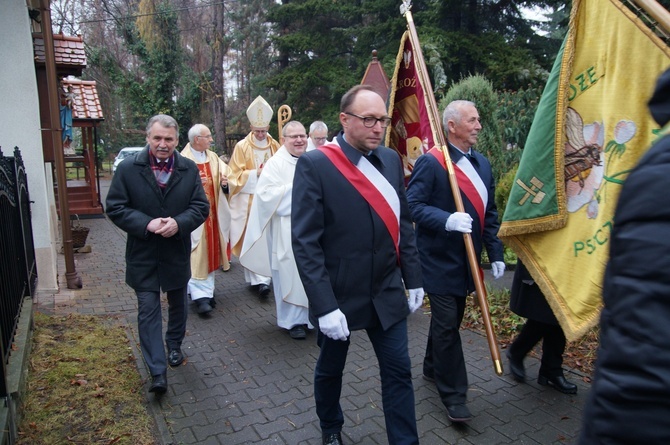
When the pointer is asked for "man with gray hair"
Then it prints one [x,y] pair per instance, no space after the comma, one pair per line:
[318,135]
[439,237]
[158,200]
[209,241]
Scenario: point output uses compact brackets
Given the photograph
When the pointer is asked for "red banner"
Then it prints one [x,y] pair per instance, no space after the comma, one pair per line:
[411,133]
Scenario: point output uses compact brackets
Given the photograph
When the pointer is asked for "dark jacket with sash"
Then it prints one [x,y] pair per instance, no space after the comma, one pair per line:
[431,202]
[152,261]
[344,252]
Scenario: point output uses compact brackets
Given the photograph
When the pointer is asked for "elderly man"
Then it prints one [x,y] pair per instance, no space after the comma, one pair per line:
[354,246]
[158,200]
[247,162]
[267,243]
[439,231]
[209,241]
[318,135]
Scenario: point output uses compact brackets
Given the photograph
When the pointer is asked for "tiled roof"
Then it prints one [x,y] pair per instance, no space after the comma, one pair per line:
[86,101]
[69,50]
[376,77]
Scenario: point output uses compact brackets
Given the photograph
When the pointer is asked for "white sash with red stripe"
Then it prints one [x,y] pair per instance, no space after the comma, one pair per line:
[372,186]
[469,182]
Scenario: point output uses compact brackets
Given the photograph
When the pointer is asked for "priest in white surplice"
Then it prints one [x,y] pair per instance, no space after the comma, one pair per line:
[209,242]
[267,243]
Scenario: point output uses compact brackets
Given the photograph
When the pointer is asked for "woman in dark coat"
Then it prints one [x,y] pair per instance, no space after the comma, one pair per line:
[528,301]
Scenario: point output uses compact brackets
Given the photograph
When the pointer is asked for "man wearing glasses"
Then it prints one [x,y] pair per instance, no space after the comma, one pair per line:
[318,135]
[267,242]
[209,241]
[246,163]
[354,246]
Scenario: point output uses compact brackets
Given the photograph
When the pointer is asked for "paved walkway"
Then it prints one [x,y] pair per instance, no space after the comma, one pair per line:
[245,381]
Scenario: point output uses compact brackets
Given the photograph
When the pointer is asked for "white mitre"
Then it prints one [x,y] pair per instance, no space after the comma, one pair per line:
[259,113]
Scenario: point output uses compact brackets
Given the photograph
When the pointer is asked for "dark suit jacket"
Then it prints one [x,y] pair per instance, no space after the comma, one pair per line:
[344,253]
[431,202]
[134,199]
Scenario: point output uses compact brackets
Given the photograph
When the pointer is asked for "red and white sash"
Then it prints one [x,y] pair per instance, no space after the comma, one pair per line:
[372,186]
[469,182]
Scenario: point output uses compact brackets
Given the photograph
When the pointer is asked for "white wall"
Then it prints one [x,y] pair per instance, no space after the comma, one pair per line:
[20,127]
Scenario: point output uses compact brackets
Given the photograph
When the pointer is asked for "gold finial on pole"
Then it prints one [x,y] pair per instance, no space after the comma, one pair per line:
[283,116]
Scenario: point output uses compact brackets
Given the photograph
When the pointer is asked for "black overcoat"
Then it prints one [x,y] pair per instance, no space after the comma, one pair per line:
[527,300]
[152,261]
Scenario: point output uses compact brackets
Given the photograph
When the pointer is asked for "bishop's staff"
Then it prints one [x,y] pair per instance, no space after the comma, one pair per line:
[283,115]
[433,115]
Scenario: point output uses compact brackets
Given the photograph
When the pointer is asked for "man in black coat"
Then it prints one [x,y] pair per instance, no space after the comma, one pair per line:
[158,200]
[629,401]
[354,247]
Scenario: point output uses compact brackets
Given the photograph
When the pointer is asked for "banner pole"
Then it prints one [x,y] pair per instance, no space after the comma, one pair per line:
[433,113]
[656,11]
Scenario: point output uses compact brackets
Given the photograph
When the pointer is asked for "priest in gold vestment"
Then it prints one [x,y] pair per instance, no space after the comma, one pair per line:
[246,163]
[209,242]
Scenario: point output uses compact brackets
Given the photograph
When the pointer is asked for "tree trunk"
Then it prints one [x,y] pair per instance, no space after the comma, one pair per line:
[219,102]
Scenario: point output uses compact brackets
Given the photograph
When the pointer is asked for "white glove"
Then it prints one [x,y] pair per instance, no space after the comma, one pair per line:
[460,222]
[415,299]
[497,269]
[334,325]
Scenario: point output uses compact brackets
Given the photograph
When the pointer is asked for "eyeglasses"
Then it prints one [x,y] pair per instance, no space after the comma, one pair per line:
[369,121]
[319,139]
[296,136]
[209,136]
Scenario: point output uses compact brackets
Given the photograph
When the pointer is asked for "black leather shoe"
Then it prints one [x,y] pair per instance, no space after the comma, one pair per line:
[516,367]
[458,413]
[263,291]
[203,306]
[332,439]
[298,332]
[175,357]
[158,384]
[559,383]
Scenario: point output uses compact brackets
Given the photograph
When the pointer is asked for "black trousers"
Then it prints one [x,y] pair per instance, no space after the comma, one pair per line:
[395,369]
[444,359]
[553,346]
[150,325]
